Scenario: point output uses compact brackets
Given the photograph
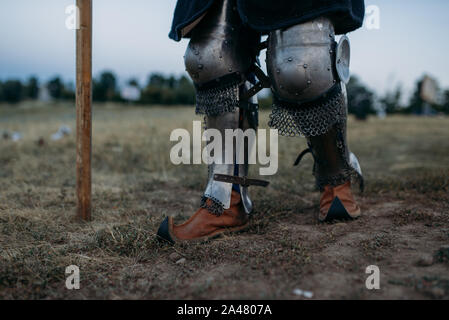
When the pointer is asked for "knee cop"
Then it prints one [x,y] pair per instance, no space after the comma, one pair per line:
[308,72]
[219,57]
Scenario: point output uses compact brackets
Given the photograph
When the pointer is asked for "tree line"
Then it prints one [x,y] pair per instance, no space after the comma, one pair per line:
[160,89]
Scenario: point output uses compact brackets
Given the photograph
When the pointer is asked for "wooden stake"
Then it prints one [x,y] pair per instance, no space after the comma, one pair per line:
[84,109]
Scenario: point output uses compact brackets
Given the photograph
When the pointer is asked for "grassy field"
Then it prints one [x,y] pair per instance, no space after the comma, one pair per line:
[404,229]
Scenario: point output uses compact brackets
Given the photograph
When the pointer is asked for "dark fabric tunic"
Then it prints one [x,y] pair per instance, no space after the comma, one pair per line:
[269,15]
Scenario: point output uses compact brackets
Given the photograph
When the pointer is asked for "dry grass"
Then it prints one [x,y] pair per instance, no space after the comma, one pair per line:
[406,214]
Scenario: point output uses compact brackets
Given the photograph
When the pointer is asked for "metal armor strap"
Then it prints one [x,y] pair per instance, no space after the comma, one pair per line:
[243,181]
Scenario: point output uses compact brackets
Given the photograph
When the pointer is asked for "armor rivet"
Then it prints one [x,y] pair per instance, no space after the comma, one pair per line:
[330,51]
[197,53]
[230,69]
[290,59]
[200,66]
[278,71]
[226,42]
[309,82]
[305,66]
[335,81]
[281,86]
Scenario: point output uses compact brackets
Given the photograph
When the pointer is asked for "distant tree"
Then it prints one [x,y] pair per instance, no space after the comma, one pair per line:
[32,88]
[172,82]
[445,103]
[185,91]
[12,91]
[153,92]
[55,88]
[133,83]
[105,88]
[69,92]
[157,80]
[391,102]
[151,95]
[360,99]
[416,103]
[167,90]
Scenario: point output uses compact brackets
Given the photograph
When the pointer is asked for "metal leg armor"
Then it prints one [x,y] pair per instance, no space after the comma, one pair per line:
[220,59]
[334,163]
[245,117]
[308,70]
[219,192]
[223,208]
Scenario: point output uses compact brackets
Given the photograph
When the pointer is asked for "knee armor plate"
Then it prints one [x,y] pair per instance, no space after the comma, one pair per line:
[306,78]
[220,53]
[301,60]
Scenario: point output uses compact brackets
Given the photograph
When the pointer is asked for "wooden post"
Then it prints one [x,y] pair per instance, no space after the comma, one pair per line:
[84,109]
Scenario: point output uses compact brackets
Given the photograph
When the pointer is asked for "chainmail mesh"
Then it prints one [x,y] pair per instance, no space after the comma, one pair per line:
[214,206]
[312,120]
[316,120]
[215,101]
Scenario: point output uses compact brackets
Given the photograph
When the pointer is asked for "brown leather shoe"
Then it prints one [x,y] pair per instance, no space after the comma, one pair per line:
[338,203]
[204,225]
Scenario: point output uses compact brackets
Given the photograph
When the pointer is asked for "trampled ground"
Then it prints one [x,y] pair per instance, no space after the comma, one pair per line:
[404,229]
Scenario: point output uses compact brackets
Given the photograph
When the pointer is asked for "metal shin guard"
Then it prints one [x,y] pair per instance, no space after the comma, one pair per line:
[308,71]
[334,163]
[221,51]
[243,117]
[331,154]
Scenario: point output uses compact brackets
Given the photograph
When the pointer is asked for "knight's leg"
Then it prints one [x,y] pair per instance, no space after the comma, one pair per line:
[218,58]
[333,172]
[307,76]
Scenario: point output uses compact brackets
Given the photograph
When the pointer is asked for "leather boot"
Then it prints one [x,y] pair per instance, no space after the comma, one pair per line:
[338,203]
[204,225]
[333,172]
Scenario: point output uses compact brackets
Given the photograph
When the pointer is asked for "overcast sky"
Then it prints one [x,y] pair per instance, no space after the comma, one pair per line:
[130,38]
